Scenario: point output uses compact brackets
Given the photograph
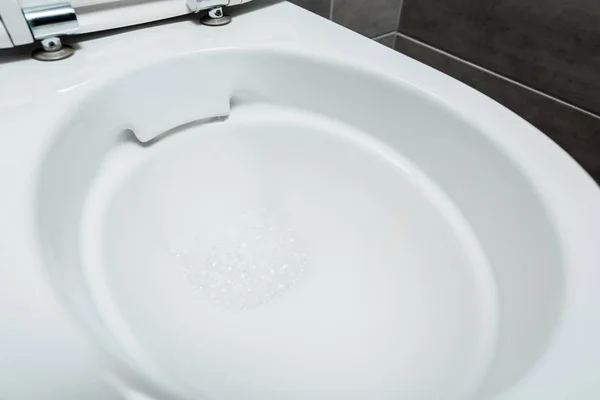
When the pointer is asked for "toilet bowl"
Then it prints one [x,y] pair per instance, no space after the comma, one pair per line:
[280,208]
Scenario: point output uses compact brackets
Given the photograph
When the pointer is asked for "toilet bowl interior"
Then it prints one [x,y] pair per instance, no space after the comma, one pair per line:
[274,238]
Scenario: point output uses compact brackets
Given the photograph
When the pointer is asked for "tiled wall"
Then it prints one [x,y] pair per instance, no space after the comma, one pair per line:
[376,19]
[540,58]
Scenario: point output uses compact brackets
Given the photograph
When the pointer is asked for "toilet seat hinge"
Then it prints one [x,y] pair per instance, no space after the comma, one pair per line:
[47,23]
[216,16]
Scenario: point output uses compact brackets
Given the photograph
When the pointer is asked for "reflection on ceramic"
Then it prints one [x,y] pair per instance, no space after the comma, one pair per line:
[286,213]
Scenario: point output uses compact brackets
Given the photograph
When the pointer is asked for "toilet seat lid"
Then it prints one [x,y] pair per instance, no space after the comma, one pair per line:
[92,15]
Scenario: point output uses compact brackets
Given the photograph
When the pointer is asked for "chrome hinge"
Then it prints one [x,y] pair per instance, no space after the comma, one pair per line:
[216,16]
[47,23]
[51,20]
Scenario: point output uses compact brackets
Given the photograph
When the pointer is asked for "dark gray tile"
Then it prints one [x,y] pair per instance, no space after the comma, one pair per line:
[387,40]
[368,17]
[551,45]
[575,131]
[321,7]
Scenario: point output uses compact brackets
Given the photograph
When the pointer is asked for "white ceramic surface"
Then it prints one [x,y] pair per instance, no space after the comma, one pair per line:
[284,210]
[5,41]
[14,23]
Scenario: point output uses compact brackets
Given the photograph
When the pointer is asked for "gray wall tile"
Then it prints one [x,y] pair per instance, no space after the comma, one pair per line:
[575,131]
[321,7]
[387,40]
[551,45]
[368,17]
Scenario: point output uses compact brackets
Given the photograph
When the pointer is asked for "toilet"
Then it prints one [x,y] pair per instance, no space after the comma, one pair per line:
[261,204]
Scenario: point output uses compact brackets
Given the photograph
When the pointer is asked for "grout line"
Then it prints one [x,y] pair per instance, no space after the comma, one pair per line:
[497,75]
[331,9]
[399,15]
[384,35]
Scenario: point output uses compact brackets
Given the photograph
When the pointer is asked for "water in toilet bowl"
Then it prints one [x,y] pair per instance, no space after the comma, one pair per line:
[259,257]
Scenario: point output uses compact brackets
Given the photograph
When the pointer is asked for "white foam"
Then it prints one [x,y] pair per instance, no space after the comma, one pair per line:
[243,264]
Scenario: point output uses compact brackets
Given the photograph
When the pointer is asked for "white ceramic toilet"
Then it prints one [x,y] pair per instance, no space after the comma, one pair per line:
[277,208]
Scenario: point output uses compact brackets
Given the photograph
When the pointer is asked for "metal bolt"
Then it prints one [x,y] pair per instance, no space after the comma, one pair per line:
[52,44]
[53,50]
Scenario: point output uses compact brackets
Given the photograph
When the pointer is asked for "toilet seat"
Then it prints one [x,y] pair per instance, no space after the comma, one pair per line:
[31,299]
[55,18]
